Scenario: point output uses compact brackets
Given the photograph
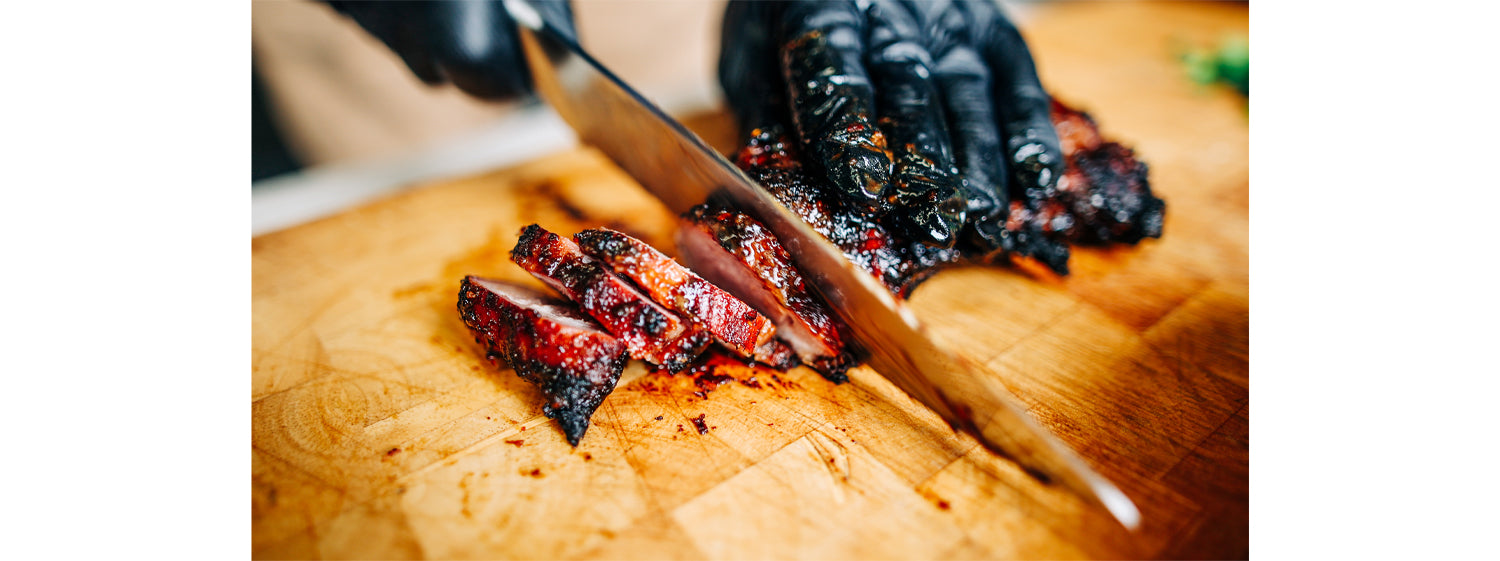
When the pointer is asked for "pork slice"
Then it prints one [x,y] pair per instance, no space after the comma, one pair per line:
[737,253]
[550,343]
[651,332]
[730,320]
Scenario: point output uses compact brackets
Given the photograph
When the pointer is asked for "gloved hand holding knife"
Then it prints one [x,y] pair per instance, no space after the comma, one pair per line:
[470,43]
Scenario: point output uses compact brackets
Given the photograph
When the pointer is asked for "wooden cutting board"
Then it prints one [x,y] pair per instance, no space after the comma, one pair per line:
[379,431]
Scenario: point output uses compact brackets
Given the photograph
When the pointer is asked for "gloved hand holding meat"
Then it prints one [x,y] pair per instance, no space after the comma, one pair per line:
[926,120]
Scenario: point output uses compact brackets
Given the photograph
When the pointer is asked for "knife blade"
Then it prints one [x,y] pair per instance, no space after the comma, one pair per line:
[676,166]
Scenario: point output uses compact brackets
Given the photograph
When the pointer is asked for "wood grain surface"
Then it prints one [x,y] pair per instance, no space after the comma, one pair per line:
[379,430]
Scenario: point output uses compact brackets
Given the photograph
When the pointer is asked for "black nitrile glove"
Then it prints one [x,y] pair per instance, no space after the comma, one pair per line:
[903,104]
[471,43]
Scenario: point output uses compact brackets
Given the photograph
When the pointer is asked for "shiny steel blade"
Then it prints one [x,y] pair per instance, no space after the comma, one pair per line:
[682,171]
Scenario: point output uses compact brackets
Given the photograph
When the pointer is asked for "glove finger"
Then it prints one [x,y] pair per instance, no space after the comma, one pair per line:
[832,103]
[927,204]
[964,86]
[748,68]
[1033,154]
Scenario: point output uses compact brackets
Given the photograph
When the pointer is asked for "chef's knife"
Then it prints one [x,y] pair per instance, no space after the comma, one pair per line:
[682,171]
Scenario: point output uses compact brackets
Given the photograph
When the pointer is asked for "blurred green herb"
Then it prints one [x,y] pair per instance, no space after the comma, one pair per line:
[1229,64]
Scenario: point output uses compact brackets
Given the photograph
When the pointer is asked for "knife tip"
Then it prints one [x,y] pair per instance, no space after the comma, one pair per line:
[1119,505]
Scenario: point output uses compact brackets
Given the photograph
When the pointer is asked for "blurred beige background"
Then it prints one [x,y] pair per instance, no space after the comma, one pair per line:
[339,95]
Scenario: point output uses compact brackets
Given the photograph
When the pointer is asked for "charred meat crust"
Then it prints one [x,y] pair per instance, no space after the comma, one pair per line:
[1103,196]
[1105,188]
[549,343]
[651,332]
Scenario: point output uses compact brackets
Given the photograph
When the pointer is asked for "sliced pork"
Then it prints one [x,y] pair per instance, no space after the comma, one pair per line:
[732,322]
[550,343]
[734,251]
[651,332]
